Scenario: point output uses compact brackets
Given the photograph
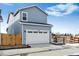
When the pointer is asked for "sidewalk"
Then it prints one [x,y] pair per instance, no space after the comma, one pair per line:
[43,49]
[62,52]
[34,49]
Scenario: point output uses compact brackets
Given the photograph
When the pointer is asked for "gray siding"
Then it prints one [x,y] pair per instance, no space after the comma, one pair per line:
[36,27]
[35,15]
[15,28]
[17,17]
[10,30]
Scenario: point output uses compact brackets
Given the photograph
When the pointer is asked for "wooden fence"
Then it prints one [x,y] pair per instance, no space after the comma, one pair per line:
[10,39]
[66,39]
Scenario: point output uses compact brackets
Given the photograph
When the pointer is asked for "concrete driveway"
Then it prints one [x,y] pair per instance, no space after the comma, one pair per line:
[42,50]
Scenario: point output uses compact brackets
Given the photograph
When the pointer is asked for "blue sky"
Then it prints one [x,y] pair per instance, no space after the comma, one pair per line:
[63,16]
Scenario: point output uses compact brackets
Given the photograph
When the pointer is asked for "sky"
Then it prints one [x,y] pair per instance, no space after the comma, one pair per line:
[63,16]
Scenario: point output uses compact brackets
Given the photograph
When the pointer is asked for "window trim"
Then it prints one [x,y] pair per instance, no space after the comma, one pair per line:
[35,31]
[45,32]
[30,32]
[26,16]
[40,32]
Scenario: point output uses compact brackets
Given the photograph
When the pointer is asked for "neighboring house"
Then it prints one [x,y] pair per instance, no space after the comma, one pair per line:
[31,22]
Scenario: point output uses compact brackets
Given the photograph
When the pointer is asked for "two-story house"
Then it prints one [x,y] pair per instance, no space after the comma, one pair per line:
[31,22]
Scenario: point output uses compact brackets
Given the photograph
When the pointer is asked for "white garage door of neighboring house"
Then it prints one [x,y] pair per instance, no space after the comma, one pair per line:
[35,36]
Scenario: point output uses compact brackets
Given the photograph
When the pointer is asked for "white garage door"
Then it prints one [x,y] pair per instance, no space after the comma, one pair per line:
[35,36]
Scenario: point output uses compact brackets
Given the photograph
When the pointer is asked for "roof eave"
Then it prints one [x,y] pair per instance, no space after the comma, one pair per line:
[29,7]
[35,24]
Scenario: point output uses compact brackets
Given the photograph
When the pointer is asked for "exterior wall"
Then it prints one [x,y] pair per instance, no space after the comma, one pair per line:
[35,15]
[14,27]
[17,25]
[17,17]
[38,27]
[11,18]
[31,27]
[10,29]
[17,28]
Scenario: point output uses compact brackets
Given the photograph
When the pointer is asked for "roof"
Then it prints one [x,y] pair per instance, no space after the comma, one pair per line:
[24,9]
[30,7]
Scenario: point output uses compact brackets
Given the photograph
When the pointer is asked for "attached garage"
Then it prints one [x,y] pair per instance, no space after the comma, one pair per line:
[36,33]
[37,36]
[31,22]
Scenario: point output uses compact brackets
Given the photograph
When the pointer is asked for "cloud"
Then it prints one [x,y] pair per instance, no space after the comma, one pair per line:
[62,9]
[9,4]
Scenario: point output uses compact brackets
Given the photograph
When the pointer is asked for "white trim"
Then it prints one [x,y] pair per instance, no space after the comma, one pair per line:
[22,33]
[26,16]
[36,24]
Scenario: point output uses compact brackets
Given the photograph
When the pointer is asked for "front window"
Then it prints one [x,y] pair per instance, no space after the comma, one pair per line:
[24,16]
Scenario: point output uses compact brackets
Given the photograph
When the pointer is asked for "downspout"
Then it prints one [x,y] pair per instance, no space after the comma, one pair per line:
[50,35]
[21,28]
[22,34]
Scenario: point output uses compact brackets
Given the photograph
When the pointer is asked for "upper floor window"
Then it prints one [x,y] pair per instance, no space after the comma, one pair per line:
[24,16]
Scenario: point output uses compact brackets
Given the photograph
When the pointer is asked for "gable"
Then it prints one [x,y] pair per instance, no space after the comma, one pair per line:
[35,8]
[35,15]
[30,7]
[10,18]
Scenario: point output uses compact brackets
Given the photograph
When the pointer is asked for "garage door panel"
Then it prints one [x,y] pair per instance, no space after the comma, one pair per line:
[34,38]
